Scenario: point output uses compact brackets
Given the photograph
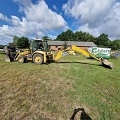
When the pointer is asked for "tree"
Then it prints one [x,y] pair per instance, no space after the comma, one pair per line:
[83,36]
[22,42]
[15,39]
[77,36]
[62,37]
[66,36]
[70,35]
[45,38]
[115,45]
[102,40]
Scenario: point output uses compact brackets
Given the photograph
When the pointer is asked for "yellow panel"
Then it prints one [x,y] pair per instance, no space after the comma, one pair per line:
[82,51]
[59,54]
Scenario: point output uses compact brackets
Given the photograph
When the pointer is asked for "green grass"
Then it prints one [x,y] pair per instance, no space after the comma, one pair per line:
[53,91]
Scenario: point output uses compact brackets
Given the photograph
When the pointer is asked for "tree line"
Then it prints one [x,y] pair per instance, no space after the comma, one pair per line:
[102,40]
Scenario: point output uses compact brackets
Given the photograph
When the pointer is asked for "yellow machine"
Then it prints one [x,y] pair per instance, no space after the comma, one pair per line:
[39,53]
[86,53]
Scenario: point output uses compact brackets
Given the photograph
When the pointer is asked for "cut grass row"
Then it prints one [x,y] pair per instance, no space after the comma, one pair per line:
[53,91]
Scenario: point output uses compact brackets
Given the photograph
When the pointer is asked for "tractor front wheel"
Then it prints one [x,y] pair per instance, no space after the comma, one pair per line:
[21,59]
[38,59]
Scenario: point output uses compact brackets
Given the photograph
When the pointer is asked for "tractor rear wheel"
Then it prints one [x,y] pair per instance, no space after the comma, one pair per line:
[38,59]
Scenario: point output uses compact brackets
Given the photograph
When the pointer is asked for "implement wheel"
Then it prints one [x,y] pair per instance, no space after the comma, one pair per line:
[38,59]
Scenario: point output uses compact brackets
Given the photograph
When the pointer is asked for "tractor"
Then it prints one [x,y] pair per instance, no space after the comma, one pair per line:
[39,52]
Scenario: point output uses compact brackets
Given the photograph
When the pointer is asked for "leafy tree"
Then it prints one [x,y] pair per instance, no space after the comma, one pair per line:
[66,36]
[81,36]
[45,38]
[70,35]
[22,42]
[115,45]
[62,37]
[77,36]
[15,39]
[102,40]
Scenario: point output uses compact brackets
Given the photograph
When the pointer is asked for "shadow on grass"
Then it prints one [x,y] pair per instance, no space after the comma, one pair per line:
[83,116]
[80,63]
[103,65]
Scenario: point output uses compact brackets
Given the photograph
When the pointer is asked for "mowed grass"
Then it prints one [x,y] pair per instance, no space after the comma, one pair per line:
[52,91]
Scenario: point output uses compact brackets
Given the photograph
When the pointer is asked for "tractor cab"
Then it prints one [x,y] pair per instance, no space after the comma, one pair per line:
[39,45]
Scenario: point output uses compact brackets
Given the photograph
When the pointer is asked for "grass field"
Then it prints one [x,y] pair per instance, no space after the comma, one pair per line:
[53,91]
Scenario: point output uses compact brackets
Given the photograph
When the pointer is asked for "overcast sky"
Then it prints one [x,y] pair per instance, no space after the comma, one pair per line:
[31,18]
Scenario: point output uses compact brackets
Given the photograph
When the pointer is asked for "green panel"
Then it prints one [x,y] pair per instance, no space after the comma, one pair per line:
[101,52]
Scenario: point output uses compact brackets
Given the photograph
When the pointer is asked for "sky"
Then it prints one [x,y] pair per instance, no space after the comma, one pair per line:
[38,18]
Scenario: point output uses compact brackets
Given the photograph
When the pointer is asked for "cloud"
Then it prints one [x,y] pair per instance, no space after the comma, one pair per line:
[42,14]
[24,2]
[3,17]
[95,16]
[111,24]
[38,20]
[54,7]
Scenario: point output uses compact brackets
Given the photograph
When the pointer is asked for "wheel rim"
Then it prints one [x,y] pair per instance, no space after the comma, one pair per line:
[38,59]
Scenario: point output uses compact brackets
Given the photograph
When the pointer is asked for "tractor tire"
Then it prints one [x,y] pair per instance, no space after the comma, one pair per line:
[38,59]
[21,59]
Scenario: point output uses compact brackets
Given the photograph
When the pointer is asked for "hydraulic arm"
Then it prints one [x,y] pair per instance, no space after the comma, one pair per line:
[86,53]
